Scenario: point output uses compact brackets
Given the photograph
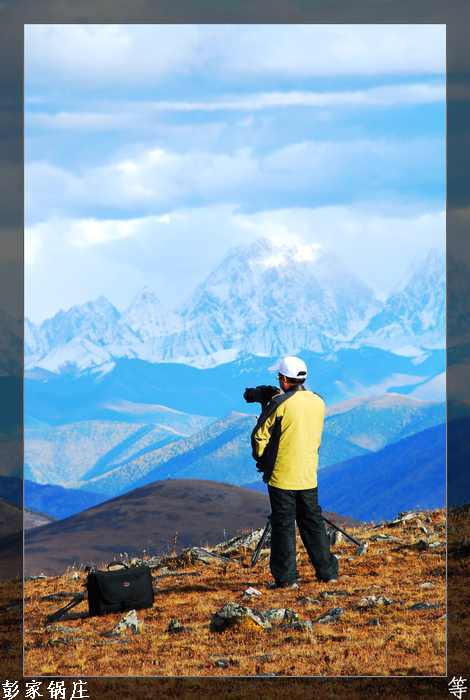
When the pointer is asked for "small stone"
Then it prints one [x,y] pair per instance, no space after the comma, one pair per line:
[60,628]
[332,615]
[175,626]
[432,545]
[251,592]
[235,615]
[333,593]
[308,600]
[128,622]
[424,606]
[290,616]
[274,614]
[300,625]
[335,537]
[426,585]
[371,601]
[222,663]
[196,554]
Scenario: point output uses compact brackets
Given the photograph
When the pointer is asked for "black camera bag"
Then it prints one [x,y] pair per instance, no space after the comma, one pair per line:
[113,591]
[118,590]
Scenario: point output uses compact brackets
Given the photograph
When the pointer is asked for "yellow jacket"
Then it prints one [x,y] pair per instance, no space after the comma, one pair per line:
[288,440]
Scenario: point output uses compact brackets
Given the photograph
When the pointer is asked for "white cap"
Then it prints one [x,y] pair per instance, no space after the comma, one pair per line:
[292,367]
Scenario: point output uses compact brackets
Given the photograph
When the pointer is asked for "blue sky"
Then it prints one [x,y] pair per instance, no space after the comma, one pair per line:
[149,151]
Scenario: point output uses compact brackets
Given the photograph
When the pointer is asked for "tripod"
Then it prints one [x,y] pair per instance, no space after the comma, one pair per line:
[361,546]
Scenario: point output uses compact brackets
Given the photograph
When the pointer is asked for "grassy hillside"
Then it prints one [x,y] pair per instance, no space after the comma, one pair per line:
[384,639]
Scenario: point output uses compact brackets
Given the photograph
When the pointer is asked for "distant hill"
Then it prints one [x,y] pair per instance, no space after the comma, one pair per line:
[69,397]
[32,519]
[376,421]
[154,518]
[62,454]
[219,452]
[406,475]
[52,501]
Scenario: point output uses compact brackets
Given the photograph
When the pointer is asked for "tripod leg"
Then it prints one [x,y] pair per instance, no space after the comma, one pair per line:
[336,527]
[260,545]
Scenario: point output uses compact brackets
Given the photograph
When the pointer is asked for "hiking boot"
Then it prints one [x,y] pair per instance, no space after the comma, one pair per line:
[291,586]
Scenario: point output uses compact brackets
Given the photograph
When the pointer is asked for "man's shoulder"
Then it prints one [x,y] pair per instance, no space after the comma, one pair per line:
[313,397]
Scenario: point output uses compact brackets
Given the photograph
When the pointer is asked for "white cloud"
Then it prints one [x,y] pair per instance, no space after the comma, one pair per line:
[144,55]
[139,114]
[173,252]
[156,179]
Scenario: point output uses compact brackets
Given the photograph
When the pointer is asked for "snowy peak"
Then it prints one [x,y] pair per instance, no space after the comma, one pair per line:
[147,317]
[94,319]
[414,315]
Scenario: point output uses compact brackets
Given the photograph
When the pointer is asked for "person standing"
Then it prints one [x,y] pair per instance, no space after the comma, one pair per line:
[285,444]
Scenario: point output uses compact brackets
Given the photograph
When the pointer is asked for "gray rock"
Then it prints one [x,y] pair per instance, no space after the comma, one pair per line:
[248,541]
[372,601]
[299,625]
[332,615]
[432,545]
[383,538]
[308,600]
[196,554]
[424,606]
[290,616]
[222,663]
[333,593]
[60,628]
[235,615]
[274,614]
[335,537]
[175,626]
[35,578]
[426,585]
[128,622]
[251,593]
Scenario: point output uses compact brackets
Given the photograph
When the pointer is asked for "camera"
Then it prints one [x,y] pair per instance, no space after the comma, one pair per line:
[260,394]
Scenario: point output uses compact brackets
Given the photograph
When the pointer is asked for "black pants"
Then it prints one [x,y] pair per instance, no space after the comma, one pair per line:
[301,506]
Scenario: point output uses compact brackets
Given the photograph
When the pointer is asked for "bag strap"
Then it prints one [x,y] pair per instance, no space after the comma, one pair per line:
[61,612]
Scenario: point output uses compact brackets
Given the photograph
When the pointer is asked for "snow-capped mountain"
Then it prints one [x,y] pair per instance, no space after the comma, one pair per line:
[86,335]
[269,300]
[147,317]
[414,314]
[262,299]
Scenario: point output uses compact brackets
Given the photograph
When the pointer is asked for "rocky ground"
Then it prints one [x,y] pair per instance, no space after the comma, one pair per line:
[214,616]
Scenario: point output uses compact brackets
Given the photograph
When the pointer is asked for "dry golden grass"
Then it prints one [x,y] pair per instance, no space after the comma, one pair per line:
[405,642]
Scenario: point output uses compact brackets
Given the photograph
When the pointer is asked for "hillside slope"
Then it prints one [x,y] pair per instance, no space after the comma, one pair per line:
[376,628]
[408,474]
[152,518]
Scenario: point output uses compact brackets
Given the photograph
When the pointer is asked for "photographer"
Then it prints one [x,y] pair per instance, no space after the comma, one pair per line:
[285,443]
